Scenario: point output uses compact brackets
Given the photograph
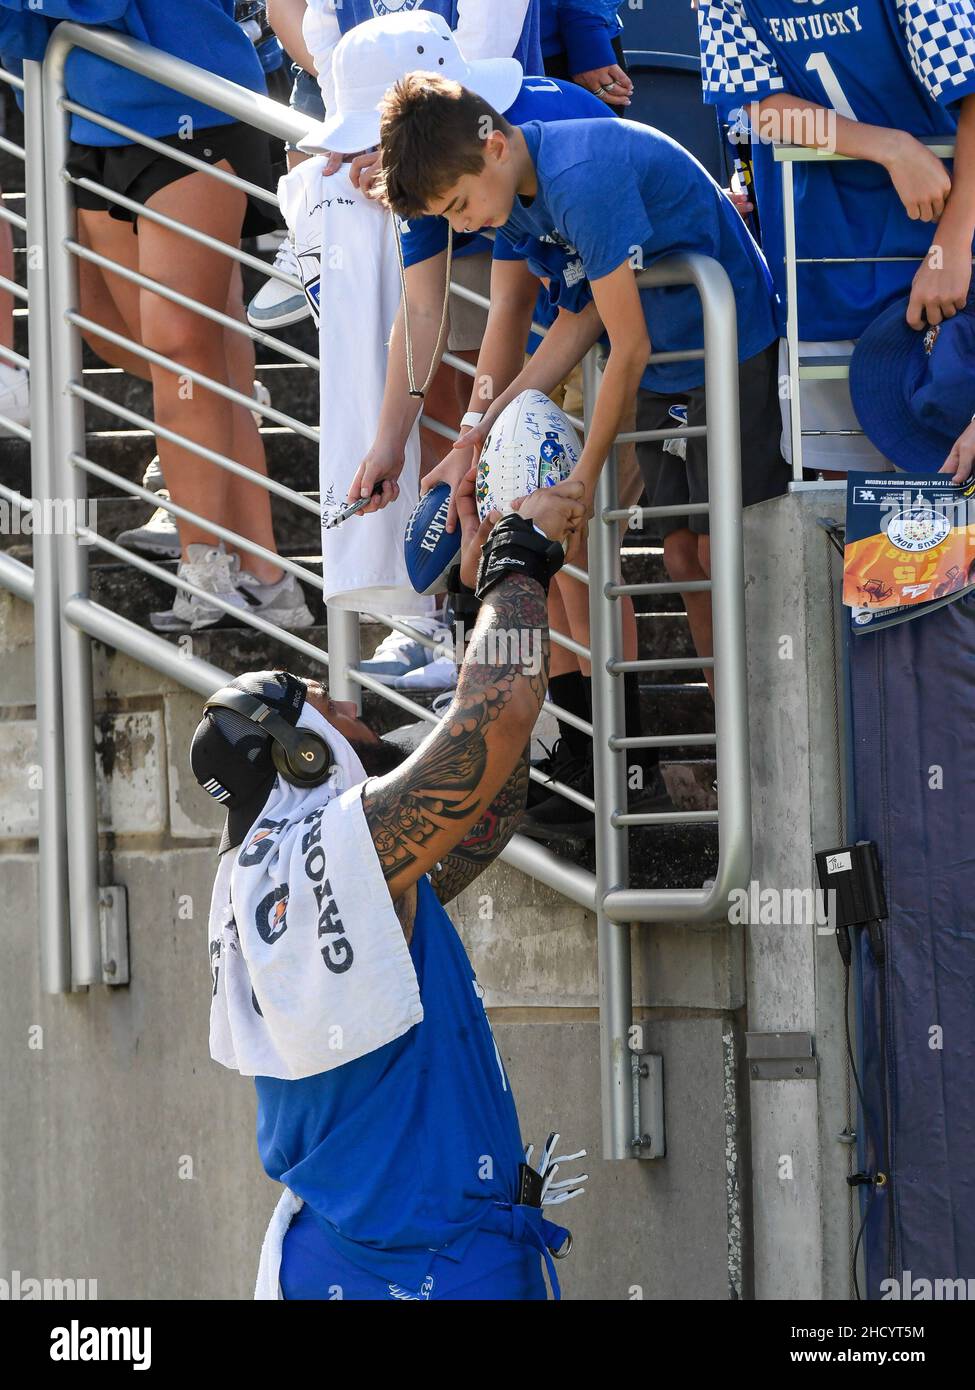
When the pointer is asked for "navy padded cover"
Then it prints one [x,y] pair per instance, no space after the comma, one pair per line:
[912,713]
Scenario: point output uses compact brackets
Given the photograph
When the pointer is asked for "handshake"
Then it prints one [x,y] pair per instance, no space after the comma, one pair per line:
[558,511]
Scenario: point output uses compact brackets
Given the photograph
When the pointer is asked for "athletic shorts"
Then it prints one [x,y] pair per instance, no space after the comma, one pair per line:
[670,481]
[494,1267]
[138,172]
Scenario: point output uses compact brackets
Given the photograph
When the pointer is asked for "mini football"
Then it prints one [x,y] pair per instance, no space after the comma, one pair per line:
[431,550]
[531,445]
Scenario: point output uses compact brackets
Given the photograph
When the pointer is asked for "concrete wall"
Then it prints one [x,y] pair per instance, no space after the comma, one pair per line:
[127,1156]
[794,974]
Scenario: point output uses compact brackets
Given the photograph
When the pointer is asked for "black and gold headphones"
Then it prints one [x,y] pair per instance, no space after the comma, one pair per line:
[302,757]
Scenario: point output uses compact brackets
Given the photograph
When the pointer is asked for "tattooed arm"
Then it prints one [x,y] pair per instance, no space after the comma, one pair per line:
[456,801]
[426,810]
[482,845]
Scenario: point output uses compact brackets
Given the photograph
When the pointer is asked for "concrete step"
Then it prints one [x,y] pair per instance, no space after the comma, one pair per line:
[291,459]
[293,388]
[644,564]
[665,636]
[666,856]
[296,530]
[135,594]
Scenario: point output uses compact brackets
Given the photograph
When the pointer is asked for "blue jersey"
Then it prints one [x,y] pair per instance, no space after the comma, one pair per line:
[540,99]
[895,63]
[403,1152]
[616,192]
[203,32]
[581,29]
[349,13]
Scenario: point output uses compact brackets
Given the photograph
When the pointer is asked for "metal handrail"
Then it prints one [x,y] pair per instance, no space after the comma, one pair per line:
[788,156]
[70,841]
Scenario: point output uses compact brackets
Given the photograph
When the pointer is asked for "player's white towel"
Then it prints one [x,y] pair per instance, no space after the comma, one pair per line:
[269,1270]
[308,960]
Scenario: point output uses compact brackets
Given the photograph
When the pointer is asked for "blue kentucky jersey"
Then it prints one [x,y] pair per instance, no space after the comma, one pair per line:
[900,64]
[403,1151]
[528,52]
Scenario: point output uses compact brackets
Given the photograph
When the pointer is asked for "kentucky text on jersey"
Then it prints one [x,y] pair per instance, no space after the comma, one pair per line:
[816,26]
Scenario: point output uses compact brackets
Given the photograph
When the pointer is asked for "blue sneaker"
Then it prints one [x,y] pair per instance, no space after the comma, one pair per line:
[397,654]
[276,304]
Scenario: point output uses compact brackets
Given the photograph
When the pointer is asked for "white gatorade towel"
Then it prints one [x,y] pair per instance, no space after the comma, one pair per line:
[309,964]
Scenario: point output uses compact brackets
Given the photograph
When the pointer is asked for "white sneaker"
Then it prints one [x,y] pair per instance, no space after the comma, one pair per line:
[282,602]
[159,536]
[210,568]
[438,674]
[398,654]
[14,397]
[263,397]
[276,304]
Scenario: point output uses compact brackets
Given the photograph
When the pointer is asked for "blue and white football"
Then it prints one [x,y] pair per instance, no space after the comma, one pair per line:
[431,550]
[531,445]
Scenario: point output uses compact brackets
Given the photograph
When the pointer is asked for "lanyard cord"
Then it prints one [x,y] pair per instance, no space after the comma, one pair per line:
[406,311]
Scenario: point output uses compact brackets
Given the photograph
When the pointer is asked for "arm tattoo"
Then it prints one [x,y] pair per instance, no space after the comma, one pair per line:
[412,811]
[485,841]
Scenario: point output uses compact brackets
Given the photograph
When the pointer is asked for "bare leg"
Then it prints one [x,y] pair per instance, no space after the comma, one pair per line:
[181,404]
[109,299]
[685,555]
[562,660]
[446,401]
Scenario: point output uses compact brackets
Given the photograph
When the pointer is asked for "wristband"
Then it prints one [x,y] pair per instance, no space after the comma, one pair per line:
[516,546]
[462,601]
[473,417]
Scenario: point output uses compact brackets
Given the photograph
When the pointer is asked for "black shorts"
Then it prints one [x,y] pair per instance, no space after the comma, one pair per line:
[670,480]
[137,172]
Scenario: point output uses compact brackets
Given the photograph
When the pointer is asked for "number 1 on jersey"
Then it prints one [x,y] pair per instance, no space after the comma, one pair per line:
[819,64]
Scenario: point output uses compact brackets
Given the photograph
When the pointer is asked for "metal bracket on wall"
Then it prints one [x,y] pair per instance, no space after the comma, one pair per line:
[781,1057]
[647,1071]
[113,919]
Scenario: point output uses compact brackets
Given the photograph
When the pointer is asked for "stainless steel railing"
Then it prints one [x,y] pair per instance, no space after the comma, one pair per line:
[67,618]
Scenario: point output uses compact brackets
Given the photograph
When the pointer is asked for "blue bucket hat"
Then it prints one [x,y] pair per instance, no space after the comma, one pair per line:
[913,390]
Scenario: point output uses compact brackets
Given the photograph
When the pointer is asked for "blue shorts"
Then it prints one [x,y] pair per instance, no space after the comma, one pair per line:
[494,1267]
[306,95]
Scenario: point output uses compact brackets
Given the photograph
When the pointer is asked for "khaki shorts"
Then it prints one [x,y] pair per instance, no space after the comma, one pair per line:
[468,321]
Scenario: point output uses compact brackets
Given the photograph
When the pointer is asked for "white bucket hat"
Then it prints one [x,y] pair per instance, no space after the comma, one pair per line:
[376,54]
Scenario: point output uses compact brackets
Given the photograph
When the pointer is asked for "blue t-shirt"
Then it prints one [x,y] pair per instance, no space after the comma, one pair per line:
[203,32]
[612,192]
[528,52]
[402,1152]
[893,63]
[539,99]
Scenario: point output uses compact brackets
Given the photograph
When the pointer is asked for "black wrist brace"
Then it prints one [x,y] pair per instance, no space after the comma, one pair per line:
[515,547]
[462,601]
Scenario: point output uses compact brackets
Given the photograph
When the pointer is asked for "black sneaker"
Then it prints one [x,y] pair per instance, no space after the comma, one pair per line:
[556,817]
[553,765]
[652,798]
